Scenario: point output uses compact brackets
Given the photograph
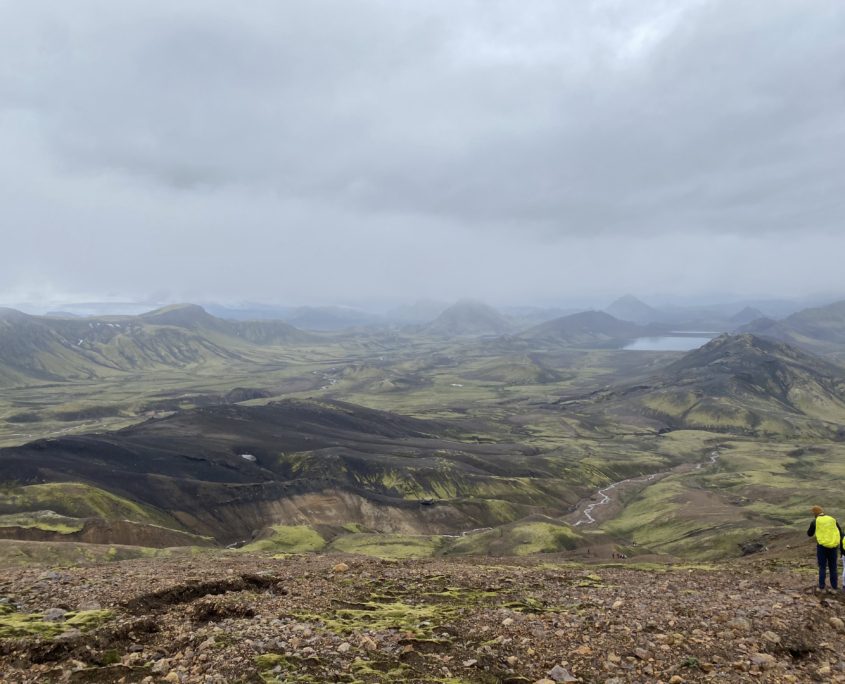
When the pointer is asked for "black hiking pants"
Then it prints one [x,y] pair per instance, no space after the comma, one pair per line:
[827,559]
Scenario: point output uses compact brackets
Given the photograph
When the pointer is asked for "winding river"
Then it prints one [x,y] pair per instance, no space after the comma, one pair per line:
[604,494]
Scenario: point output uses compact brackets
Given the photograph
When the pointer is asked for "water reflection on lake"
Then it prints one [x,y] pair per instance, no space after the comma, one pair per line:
[667,343]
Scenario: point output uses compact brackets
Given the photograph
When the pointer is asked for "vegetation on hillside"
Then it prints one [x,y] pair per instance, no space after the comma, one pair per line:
[464,443]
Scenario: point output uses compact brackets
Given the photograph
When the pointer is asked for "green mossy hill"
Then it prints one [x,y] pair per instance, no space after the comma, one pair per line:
[68,553]
[749,383]
[78,500]
[518,539]
[522,370]
[39,348]
[195,318]
[284,539]
[47,521]
[390,545]
[756,494]
[736,384]
[761,360]
[460,475]
[663,521]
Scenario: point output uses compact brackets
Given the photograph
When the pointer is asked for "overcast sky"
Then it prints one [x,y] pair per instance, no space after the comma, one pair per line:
[347,151]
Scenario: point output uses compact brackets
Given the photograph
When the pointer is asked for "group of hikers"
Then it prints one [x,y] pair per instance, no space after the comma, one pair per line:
[829,540]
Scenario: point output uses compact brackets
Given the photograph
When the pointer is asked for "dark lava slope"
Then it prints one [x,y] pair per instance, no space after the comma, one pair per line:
[226,471]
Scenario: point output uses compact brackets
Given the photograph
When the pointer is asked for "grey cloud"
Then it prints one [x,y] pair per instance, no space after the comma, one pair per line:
[457,137]
[718,116]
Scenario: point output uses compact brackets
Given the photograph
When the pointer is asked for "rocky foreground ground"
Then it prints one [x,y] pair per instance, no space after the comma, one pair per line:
[249,618]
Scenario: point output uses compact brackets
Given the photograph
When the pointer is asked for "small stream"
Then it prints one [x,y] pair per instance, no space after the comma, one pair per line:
[604,497]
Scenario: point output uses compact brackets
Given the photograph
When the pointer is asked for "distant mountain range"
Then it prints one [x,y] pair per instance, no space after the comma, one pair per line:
[423,311]
[712,318]
[588,328]
[332,318]
[820,329]
[59,347]
[469,318]
[41,348]
[746,315]
[629,308]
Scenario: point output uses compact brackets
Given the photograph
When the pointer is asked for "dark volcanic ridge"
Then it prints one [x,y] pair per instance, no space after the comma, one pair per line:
[227,471]
[740,384]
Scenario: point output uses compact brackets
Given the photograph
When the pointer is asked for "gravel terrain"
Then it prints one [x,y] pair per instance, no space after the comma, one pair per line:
[250,618]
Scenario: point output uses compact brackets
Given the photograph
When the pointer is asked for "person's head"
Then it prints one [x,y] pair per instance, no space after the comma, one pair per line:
[817,511]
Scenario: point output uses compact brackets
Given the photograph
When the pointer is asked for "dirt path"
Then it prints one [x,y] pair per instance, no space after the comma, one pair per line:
[586,511]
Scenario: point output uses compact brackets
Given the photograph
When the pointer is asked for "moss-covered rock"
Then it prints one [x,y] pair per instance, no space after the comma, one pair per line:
[16,624]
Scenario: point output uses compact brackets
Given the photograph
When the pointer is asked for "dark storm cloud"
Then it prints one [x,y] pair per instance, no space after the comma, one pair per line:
[200,133]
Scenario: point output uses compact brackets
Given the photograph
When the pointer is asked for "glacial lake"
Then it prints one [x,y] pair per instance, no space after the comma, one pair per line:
[668,343]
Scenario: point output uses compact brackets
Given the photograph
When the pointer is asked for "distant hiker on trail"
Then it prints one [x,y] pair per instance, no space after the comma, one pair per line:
[828,538]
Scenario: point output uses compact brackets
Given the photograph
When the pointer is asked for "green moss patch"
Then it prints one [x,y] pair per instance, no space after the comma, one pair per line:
[275,667]
[33,624]
[417,620]
[381,671]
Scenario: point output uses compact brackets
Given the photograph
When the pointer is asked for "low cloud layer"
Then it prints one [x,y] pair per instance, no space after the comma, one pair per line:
[327,151]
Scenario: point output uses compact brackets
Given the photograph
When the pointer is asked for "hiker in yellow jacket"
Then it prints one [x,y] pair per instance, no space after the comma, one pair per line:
[828,538]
